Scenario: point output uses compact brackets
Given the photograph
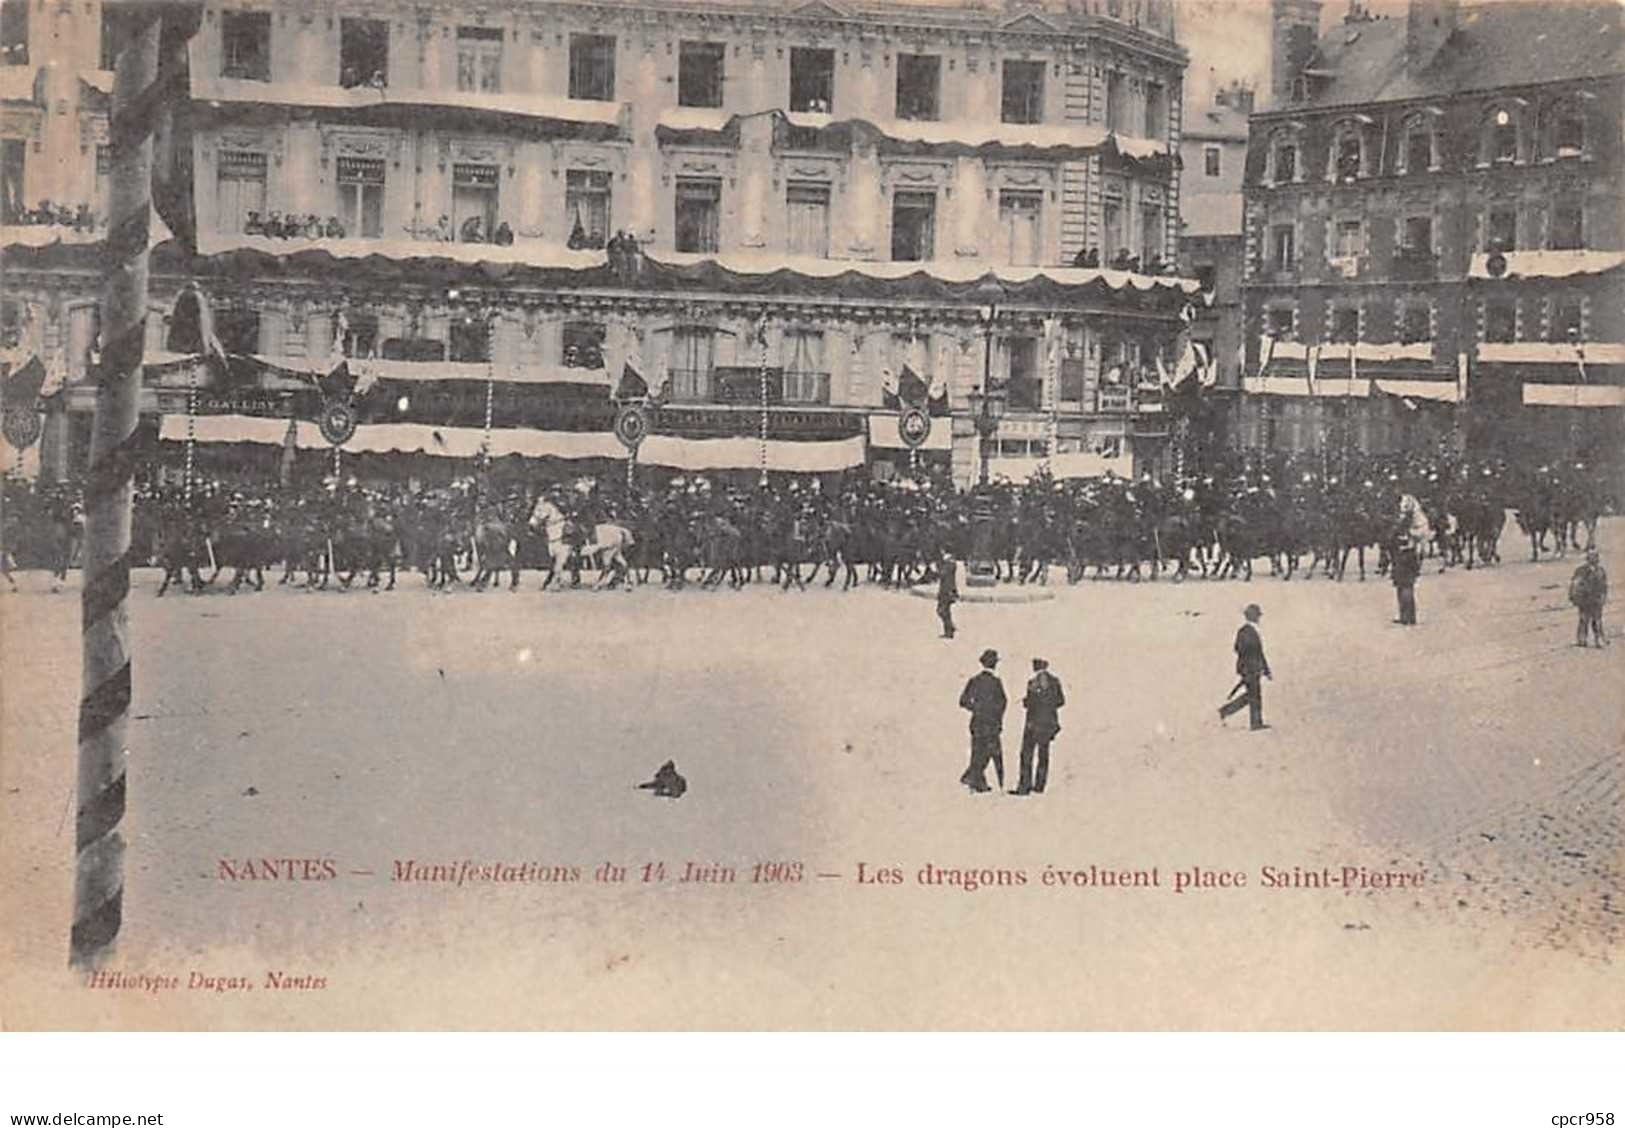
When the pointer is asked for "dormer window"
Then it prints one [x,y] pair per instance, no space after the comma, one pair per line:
[1568,130]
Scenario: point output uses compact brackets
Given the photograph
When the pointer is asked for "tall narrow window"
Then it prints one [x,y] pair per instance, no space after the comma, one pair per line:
[1568,130]
[102,204]
[474,202]
[1419,146]
[1156,111]
[1501,229]
[700,74]
[1286,163]
[14,33]
[693,363]
[592,67]
[1023,101]
[1210,160]
[238,329]
[1349,240]
[1500,322]
[1502,135]
[361,197]
[1281,323]
[587,210]
[1115,109]
[699,215]
[117,23]
[1568,320]
[1345,324]
[1418,241]
[1151,236]
[1568,226]
[479,59]
[360,334]
[1023,383]
[1020,218]
[806,375]
[807,218]
[1346,156]
[245,45]
[363,53]
[1415,323]
[241,190]
[919,87]
[913,226]
[469,340]
[1283,247]
[584,344]
[1111,230]
[812,80]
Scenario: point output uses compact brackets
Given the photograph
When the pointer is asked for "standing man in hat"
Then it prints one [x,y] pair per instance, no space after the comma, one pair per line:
[1251,668]
[984,699]
[1588,591]
[1406,567]
[1043,703]
[947,592]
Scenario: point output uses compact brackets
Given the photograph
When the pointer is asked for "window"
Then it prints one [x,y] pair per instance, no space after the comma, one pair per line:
[592,67]
[13,176]
[479,59]
[420,349]
[102,204]
[583,345]
[919,85]
[241,192]
[1346,156]
[1501,135]
[238,330]
[1210,160]
[1020,215]
[1280,323]
[361,197]
[1072,374]
[469,341]
[1024,385]
[1023,101]
[812,80]
[1568,232]
[1286,163]
[1500,322]
[1283,247]
[586,207]
[1111,229]
[699,215]
[807,218]
[913,226]
[14,33]
[699,73]
[1151,236]
[1418,146]
[474,202]
[1415,323]
[1568,130]
[360,335]
[1568,320]
[1501,229]
[1418,240]
[1156,110]
[1206,277]
[364,53]
[245,45]
[1345,324]
[1114,101]
[117,24]
[806,377]
[693,361]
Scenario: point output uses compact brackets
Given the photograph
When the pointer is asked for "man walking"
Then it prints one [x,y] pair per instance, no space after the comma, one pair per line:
[1043,703]
[1406,567]
[947,592]
[1251,667]
[1588,591]
[984,698]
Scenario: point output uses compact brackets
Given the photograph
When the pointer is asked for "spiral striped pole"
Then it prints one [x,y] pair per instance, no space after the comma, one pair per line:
[98,889]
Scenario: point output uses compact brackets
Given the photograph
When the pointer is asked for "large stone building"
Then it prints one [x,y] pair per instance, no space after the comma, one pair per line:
[1434,235]
[776,212]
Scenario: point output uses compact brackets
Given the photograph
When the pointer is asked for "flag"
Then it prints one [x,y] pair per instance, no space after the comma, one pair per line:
[340,383]
[1207,370]
[888,390]
[937,396]
[1266,351]
[911,390]
[632,384]
[191,330]
[172,195]
[22,387]
[1312,366]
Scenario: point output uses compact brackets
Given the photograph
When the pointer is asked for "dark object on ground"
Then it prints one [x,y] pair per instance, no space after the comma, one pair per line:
[667,783]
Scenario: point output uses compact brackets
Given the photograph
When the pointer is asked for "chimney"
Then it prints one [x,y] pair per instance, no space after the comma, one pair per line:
[1294,34]
[1428,23]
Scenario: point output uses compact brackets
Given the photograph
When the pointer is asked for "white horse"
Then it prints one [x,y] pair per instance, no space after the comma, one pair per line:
[606,548]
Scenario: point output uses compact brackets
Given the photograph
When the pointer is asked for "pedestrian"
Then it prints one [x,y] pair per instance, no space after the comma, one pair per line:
[1406,567]
[1043,703]
[1251,668]
[1588,591]
[984,698]
[947,593]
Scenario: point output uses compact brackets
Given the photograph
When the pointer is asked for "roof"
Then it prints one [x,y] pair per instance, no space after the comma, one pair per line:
[1212,213]
[1495,46]
[1216,123]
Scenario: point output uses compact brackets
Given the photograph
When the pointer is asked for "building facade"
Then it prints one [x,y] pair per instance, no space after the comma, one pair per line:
[777,214]
[1433,235]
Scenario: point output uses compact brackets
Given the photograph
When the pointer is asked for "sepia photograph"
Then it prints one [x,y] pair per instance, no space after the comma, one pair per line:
[736,515]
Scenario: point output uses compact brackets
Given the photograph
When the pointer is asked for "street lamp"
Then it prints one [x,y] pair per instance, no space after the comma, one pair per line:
[988,403]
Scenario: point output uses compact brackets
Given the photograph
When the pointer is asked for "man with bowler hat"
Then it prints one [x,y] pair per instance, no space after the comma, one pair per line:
[984,699]
[1043,702]
[1251,667]
[1405,570]
[947,592]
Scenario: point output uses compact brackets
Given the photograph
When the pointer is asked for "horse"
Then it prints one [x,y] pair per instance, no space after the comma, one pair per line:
[603,545]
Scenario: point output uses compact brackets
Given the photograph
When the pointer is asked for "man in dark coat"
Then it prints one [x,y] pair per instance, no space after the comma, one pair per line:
[1043,702]
[947,593]
[1251,668]
[1588,591]
[984,698]
[1407,566]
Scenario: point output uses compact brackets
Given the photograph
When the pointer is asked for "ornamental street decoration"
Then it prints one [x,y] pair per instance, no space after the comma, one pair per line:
[1496,265]
[914,426]
[22,427]
[338,421]
[632,425]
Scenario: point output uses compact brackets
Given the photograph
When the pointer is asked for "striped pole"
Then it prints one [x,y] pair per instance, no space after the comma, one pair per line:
[762,372]
[98,887]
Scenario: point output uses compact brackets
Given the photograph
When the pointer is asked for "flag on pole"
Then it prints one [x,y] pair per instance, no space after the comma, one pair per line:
[191,329]
[172,195]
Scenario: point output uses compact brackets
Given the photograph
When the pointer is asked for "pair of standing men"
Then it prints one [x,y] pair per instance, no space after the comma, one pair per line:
[984,698]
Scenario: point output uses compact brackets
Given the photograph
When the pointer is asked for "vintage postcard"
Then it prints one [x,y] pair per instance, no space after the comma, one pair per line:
[761,514]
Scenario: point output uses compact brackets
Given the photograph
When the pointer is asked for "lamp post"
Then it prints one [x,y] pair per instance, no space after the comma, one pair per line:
[987,403]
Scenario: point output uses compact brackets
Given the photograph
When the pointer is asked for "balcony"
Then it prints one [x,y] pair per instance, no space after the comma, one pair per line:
[806,387]
[691,385]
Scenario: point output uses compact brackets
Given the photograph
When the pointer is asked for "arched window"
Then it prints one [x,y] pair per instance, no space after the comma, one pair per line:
[1501,142]
[1419,151]
[1565,124]
[1284,163]
[1347,160]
